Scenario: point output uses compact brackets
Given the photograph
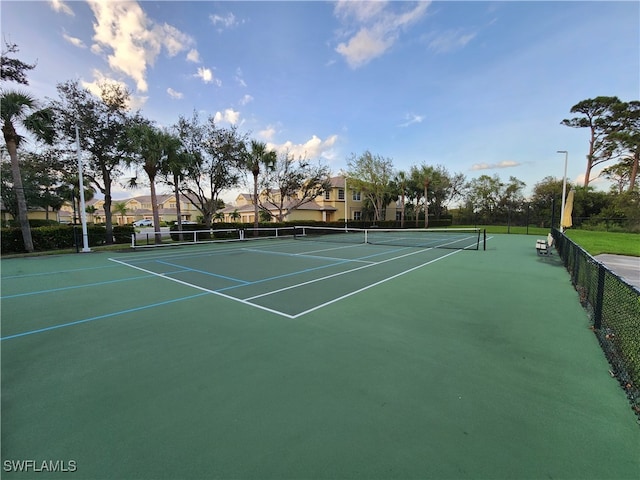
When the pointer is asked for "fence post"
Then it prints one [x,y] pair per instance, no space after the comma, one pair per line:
[597,308]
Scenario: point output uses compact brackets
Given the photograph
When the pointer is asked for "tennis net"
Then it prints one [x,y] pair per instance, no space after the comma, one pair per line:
[455,238]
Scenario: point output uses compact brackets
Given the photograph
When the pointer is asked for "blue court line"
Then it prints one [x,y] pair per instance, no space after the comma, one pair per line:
[188,269]
[306,270]
[100,317]
[73,287]
[54,273]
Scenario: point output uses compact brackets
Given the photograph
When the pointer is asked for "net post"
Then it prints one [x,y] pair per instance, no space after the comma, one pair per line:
[133,240]
[241,233]
[484,239]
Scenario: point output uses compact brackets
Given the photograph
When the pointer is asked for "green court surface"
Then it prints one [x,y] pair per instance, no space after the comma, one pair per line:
[280,359]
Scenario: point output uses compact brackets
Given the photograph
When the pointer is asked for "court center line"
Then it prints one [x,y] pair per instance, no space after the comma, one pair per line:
[337,274]
[100,317]
[197,287]
[355,292]
[189,269]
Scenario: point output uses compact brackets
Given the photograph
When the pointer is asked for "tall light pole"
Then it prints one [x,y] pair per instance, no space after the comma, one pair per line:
[83,213]
[564,187]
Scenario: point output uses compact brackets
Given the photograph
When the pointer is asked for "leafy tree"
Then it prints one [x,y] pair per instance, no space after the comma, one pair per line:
[214,158]
[546,194]
[624,134]
[20,109]
[149,146]
[102,122]
[13,69]
[120,208]
[254,159]
[291,184]
[400,182]
[372,175]
[595,115]
[484,194]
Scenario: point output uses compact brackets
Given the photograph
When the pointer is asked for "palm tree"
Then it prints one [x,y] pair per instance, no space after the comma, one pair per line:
[259,155]
[121,209]
[17,107]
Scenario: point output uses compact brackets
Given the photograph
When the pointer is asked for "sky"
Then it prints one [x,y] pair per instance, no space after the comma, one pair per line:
[479,87]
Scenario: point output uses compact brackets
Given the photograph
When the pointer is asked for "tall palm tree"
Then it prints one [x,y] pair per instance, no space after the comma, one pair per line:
[121,209]
[18,108]
[255,158]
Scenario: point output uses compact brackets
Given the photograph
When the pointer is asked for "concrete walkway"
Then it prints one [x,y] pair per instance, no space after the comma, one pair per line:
[626,267]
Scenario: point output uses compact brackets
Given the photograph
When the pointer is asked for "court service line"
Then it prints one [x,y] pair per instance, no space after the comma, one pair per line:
[304,255]
[73,287]
[197,287]
[189,269]
[322,305]
[99,317]
[338,274]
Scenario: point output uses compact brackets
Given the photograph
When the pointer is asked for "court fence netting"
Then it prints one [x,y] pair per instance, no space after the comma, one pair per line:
[452,238]
[613,306]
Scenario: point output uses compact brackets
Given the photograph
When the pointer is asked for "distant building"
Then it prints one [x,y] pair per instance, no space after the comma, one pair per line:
[332,206]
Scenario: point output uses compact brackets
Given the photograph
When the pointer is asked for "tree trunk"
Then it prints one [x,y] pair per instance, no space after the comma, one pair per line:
[426,204]
[255,203]
[178,209]
[23,214]
[106,175]
[634,170]
[154,209]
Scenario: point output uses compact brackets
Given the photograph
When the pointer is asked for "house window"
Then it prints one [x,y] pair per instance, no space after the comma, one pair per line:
[341,194]
[398,216]
[327,195]
[357,215]
[355,195]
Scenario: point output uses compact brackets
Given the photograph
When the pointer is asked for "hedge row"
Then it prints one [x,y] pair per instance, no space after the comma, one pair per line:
[61,237]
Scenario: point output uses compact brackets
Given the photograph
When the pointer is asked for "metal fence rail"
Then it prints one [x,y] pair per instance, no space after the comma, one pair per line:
[613,306]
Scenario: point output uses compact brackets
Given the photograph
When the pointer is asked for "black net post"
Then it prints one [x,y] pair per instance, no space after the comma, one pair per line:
[597,313]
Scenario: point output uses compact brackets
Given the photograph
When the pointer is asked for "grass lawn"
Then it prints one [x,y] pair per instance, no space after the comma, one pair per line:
[606,242]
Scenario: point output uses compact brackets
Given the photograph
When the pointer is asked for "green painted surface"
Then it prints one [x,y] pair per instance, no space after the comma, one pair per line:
[478,365]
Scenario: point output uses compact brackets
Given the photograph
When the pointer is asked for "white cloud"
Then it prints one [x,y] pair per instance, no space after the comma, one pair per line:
[193,56]
[312,148]
[492,166]
[60,6]
[267,133]
[228,116]
[411,118]
[206,75]
[74,40]
[136,102]
[450,41]
[378,28]
[246,99]
[239,78]
[173,94]
[132,41]
[223,22]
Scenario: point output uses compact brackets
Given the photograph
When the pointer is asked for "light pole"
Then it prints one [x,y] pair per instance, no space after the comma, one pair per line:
[83,214]
[564,187]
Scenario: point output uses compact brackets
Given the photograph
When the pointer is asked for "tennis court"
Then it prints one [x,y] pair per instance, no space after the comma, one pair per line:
[282,358]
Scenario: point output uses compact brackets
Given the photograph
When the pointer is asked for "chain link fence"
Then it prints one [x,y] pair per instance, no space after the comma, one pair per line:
[613,306]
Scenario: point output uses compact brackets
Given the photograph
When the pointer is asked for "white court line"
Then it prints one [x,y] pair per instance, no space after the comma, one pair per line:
[304,255]
[247,301]
[277,312]
[340,273]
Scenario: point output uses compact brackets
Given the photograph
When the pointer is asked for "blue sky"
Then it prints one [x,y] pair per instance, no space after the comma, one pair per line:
[478,87]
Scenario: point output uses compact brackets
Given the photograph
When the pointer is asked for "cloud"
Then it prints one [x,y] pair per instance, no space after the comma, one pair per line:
[225,22]
[173,94]
[60,6]
[492,166]
[450,41]
[136,102]
[411,118]
[246,99]
[193,56]
[132,41]
[267,133]
[228,116]
[312,148]
[207,76]
[73,40]
[239,78]
[376,25]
